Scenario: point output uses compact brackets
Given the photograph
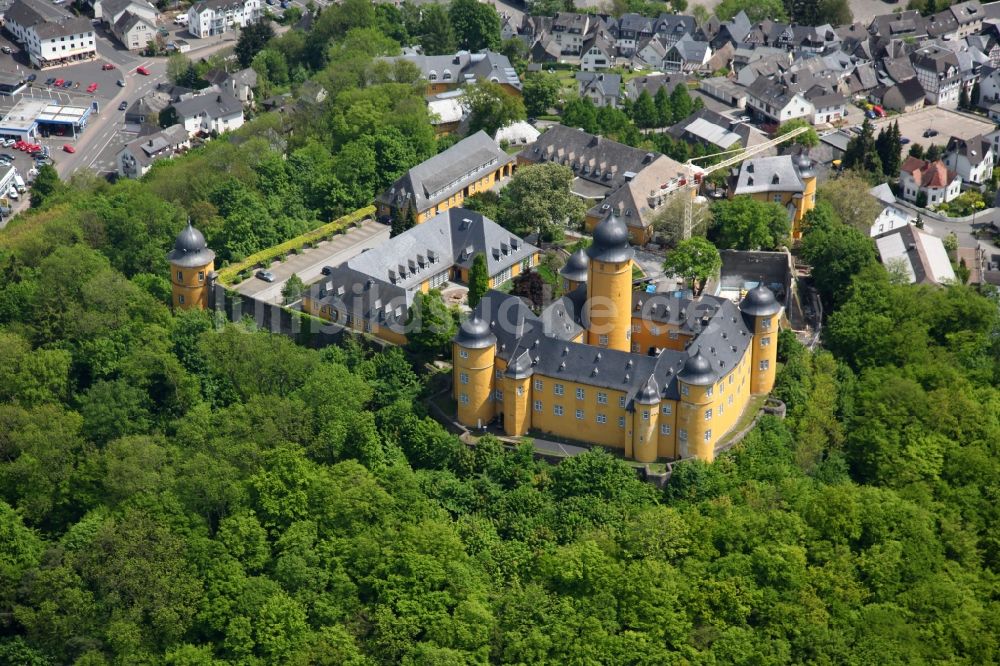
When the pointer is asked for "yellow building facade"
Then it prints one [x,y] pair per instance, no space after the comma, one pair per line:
[787,180]
[709,357]
[191,263]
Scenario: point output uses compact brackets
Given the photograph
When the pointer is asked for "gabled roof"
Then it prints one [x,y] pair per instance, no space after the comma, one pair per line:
[967,12]
[675,24]
[152,147]
[654,82]
[636,200]
[690,50]
[607,85]
[768,174]
[974,149]
[935,59]
[928,174]
[213,105]
[922,255]
[127,21]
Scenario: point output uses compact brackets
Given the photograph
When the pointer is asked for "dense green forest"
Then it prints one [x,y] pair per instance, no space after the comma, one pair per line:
[179,491]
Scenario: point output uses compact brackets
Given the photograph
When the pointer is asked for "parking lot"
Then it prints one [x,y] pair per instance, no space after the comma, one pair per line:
[947,123]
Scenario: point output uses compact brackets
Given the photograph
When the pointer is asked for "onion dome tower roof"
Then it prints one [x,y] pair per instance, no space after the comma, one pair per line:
[521,367]
[649,394]
[610,241]
[759,302]
[576,267]
[805,166]
[190,249]
[697,370]
[475,333]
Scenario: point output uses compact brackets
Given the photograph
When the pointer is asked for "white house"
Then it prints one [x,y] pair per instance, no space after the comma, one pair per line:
[133,31]
[920,256]
[936,181]
[214,17]
[971,158]
[938,72]
[598,52]
[601,89]
[109,11]
[137,157]
[211,112]
[49,36]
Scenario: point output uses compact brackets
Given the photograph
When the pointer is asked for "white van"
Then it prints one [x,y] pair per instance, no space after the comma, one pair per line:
[182,19]
[19,183]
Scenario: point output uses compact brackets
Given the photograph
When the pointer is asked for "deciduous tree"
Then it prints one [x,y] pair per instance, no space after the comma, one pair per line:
[479,280]
[476,25]
[695,260]
[743,223]
[491,107]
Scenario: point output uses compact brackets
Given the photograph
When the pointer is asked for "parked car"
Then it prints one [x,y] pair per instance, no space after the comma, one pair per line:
[49,81]
[67,84]
[58,83]
[7,156]
[327,270]
[123,106]
[928,133]
[163,31]
[106,66]
[871,115]
[32,78]
[266,276]
[68,148]
[904,141]
[12,194]
[6,49]
[92,87]
[142,70]
[121,83]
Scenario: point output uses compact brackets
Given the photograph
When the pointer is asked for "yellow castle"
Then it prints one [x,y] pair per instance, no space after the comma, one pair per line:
[657,375]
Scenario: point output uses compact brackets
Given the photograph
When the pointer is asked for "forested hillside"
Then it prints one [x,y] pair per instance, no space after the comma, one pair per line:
[179,492]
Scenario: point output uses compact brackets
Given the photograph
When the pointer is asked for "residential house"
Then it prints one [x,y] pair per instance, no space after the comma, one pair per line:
[787,180]
[649,53]
[570,31]
[450,72]
[239,84]
[908,23]
[811,39]
[971,158]
[216,17]
[687,55]
[133,31]
[988,44]
[892,215]
[934,180]
[916,253]
[109,11]
[905,97]
[475,164]
[209,112]
[374,291]
[937,69]
[629,31]
[989,92]
[447,111]
[137,157]
[652,84]
[795,95]
[601,89]
[733,31]
[968,16]
[725,90]
[49,36]
[597,52]
[672,27]
[716,132]
[863,79]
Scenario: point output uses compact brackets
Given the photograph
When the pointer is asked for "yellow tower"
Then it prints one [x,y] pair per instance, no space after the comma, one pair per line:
[645,416]
[608,311]
[473,353]
[517,395]
[695,436]
[761,312]
[574,273]
[190,264]
[807,173]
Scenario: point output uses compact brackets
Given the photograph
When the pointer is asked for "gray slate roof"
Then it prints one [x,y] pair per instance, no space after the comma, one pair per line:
[768,174]
[608,85]
[214,105]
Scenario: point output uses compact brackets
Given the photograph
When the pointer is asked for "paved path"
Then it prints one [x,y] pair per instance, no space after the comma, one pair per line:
[309,264]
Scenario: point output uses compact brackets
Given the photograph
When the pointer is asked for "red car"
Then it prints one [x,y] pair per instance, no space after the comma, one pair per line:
[34,149]
[142,70]
[59,82]
[68,148]
[92,87]
[106,66]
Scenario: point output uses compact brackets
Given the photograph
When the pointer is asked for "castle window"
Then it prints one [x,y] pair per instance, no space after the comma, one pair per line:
[538,384]
[664,429]
[579,415]
[498,395]
[721,407]
[667,409]
[538,405]
[180,299]
[602,340]
[656,330]
[180,276]
[621,421]
[645,415]
[464,398]
[201,276]
[463,353]
[730,399]
[708,435]
[602,398]
[636,327]
[685,390]
[602,418]
[621,401]
[731,377]
[497,373]
[708,391]
[765,341]
[464,378]
[558,389]
[682,434]
[765,323]
[708,414]
[764,365]
[579,394]
[520,390]
[557,410]
[672,335]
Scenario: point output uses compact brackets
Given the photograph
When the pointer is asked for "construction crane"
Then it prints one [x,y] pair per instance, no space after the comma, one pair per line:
[688,187]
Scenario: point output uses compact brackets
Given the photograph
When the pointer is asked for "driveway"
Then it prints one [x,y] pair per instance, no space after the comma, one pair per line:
[310,263]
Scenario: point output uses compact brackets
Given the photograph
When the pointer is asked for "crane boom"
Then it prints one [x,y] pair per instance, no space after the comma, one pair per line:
[741,154]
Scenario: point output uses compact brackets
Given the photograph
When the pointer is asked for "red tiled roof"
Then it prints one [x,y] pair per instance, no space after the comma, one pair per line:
[928,174]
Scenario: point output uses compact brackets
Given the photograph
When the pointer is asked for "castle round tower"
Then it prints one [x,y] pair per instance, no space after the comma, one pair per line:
[645,416]
[517,395]
[694,432]
[473,354]
[191,262]
[608,311]
[761,311]
[807,172]
[574,273]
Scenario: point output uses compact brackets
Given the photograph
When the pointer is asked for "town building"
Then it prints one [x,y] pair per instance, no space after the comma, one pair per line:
[937,71]
[655,376]
[133,31]
[374,291]
[601,89]
[450,72]
[191,264]
[687,55]
[50,36]
[570,30]
[209,112]
[447,110]
[787,180]
[137,157]
[597,52]
[906,96]
[239,84]
[652,84]
[109,11]
[918,254]
[475,164]
[971,158]
[935,181]
[216,17]
[716,132]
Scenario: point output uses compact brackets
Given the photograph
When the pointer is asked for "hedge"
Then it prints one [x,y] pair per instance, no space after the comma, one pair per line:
[227,274]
